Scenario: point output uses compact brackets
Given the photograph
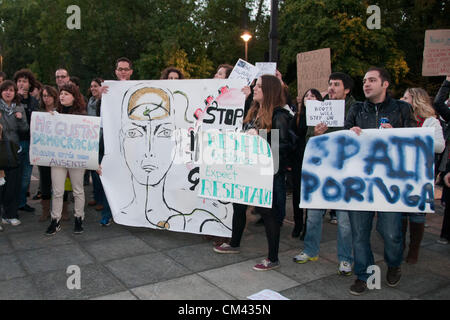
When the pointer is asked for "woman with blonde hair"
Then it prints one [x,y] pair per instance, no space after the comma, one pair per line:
[425,115]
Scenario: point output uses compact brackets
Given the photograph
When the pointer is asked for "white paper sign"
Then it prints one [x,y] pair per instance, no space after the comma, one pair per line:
[390,170]
[245,71]
[64,140]
[330,112]
[151,168]
[266,68]
[236,167]
[267,294]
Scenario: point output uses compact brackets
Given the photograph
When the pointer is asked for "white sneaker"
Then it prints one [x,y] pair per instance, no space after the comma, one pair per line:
[442,241]
[303,258]
[14,222]
[345,268]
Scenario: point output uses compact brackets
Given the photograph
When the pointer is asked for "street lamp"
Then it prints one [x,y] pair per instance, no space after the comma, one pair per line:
[246,37]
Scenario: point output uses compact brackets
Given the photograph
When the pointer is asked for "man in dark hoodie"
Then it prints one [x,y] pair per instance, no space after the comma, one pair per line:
[26,82]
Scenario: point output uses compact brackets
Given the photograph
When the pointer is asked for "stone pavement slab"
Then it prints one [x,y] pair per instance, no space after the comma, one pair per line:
[10,268]
[123,295]
[54,258]
[182,289]
[146,269]
[116,248]
[95,280]
[241,281]
[19,289]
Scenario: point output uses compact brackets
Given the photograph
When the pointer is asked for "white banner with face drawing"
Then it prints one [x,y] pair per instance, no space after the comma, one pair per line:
[150,172]
[389,170]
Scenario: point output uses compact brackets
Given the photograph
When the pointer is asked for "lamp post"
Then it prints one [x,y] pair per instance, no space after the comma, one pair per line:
[246,37]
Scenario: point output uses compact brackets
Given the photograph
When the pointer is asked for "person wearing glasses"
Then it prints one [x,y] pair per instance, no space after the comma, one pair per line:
[62,77]
[124,69]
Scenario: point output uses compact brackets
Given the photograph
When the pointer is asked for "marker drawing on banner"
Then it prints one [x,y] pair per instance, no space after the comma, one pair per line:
[436,53]
[245,71]
[63,140]
[151,173]
[330,112]
[236,167]
[266,68]
[390,170]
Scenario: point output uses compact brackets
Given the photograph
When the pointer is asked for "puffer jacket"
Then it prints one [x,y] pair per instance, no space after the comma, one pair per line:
[367,115]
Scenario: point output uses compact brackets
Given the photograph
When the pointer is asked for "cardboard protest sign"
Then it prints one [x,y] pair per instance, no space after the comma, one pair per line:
[236,167]
[266,68]
[436,53]
[245,71]
[330,112]
[389,170]
[313,70]
[151,167]
[64,140]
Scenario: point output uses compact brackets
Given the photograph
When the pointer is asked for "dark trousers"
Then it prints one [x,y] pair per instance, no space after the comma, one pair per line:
[296,192]
[45,182]
[273,217]
[238,224]
[10,192]
[445,231]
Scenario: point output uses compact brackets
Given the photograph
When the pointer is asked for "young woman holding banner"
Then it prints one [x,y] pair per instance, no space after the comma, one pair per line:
[70,102]
[425,115]
[268,112]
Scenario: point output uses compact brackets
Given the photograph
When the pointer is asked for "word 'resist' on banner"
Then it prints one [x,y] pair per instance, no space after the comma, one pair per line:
[390,170]
[236,167]
[151,133]
[64,140]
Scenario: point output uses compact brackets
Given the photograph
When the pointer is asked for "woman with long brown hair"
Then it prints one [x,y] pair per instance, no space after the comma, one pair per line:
[268,112]
[425,115]
[70,102]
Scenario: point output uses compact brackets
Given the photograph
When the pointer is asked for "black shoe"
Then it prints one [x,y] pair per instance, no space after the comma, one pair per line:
[27,208]
[296,232]
[302,236]
[358,288]
[38,196]
[393,276]
[78,226]
[53,228]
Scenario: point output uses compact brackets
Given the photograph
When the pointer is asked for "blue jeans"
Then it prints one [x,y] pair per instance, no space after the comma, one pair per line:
[26,168]
[415,217]
[389,226]
[314,234]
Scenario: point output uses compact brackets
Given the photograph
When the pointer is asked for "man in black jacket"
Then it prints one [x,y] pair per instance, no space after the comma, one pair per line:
[26,83]
[368,115]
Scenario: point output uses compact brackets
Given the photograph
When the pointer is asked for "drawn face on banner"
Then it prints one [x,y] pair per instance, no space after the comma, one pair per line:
[147,127]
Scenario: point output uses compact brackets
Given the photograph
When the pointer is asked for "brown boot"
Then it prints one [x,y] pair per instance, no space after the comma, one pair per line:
[65,211]
[45,210]
[416,235]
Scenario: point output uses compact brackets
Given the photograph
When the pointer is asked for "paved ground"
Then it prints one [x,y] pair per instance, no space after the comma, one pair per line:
[135,263]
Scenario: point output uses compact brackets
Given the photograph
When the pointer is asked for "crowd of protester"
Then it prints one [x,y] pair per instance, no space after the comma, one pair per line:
[268,106]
